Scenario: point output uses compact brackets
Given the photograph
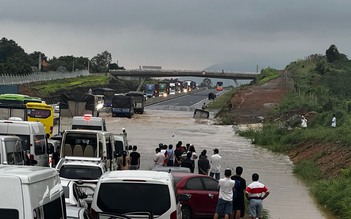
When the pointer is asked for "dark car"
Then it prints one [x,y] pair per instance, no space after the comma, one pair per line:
[202,191]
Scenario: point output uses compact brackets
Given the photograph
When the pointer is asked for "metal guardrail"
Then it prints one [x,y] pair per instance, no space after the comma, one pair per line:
[40,76]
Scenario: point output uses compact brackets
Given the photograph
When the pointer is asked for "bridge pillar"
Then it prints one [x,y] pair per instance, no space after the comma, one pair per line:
[141,82]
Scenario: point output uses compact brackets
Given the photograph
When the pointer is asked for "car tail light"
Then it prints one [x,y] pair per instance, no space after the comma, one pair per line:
[173,215]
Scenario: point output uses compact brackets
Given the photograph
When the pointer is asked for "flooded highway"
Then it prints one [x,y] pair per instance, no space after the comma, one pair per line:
[289,198]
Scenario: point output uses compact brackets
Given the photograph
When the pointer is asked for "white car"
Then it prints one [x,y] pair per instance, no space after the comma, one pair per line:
[131,192]
[86,171]
[74,196]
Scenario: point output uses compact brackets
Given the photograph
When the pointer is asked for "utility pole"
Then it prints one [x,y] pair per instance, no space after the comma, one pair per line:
[73,65]
[39,64]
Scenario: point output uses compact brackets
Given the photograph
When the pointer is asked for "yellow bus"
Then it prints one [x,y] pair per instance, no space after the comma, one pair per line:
[41,112]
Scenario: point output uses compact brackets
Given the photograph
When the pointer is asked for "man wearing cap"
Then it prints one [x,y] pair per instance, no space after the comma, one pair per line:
[215,164]
[225,196]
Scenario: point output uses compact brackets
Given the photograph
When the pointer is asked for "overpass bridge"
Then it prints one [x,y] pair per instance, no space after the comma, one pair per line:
[185,73]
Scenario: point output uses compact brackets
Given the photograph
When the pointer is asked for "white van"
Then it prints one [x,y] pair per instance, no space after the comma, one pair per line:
[121,144]
[11,151]
[32,135]
[88,122]
[89,143]
[130,191]
[29,192]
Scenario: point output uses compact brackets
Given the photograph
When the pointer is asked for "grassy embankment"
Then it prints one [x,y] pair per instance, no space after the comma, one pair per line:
[51,87]
[322,88]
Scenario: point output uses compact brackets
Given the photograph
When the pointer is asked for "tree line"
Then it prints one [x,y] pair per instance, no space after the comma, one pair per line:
[15,61]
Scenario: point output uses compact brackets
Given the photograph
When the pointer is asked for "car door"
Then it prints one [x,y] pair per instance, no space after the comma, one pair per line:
[201,199]
[212,190]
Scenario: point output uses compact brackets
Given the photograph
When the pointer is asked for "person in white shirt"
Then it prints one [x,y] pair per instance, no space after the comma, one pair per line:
[215,164]
[159,157]
[225,196]
[333,124]
[303,122]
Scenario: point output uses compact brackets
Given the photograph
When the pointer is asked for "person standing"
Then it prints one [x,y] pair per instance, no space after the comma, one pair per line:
[203,163]
[225,196]
[256,192]
[159,157]
[188,163]
[215,164]
[193,156]
[238,194]
[123,162]
[178,154]
[303,122]
[333,122]
[170,154]
[134,159]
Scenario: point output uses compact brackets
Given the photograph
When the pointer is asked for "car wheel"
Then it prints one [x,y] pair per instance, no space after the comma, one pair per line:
[186,212]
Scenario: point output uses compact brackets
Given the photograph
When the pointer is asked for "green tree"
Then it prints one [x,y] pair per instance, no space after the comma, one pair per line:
[206,83]
[101,62]
[13,59]
[333,54]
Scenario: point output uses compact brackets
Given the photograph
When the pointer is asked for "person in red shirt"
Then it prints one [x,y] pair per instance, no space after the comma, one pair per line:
[256,192]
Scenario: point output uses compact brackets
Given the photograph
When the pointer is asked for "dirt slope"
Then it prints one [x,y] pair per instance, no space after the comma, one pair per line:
[253,103]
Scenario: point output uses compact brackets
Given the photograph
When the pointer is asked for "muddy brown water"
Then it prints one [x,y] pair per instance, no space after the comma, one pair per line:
[289,197]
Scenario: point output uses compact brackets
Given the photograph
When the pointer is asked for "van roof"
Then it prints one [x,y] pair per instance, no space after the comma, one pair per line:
[19,122]
[91,118]
[27,174]
[136,175]
[88,131]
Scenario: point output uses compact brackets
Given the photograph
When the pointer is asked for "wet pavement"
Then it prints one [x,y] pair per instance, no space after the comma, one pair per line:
[289,197]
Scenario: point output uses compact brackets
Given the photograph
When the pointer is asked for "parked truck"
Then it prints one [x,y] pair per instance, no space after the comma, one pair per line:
[76,105]
[122,105]
[139,100]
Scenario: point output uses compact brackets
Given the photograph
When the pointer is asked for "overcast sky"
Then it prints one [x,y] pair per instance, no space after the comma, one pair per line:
[180,34]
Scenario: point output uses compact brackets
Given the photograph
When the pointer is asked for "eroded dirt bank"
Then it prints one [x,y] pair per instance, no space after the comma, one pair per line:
[253,103]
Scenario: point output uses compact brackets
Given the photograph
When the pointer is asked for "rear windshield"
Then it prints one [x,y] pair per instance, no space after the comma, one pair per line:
[14,152]
[134,197]
[80,172]
[89,127]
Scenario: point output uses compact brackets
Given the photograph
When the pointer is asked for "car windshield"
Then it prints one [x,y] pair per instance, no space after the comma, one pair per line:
[134,197]
[80,172]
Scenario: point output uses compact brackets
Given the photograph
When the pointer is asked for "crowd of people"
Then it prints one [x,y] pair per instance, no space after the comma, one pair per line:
[232,188]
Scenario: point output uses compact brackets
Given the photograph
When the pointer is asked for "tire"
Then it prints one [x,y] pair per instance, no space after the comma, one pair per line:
[186,212]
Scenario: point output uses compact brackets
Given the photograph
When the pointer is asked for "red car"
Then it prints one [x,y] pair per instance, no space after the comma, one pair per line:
[202,191]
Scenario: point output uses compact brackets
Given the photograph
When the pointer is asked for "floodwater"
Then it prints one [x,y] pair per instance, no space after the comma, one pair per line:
[289,198]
